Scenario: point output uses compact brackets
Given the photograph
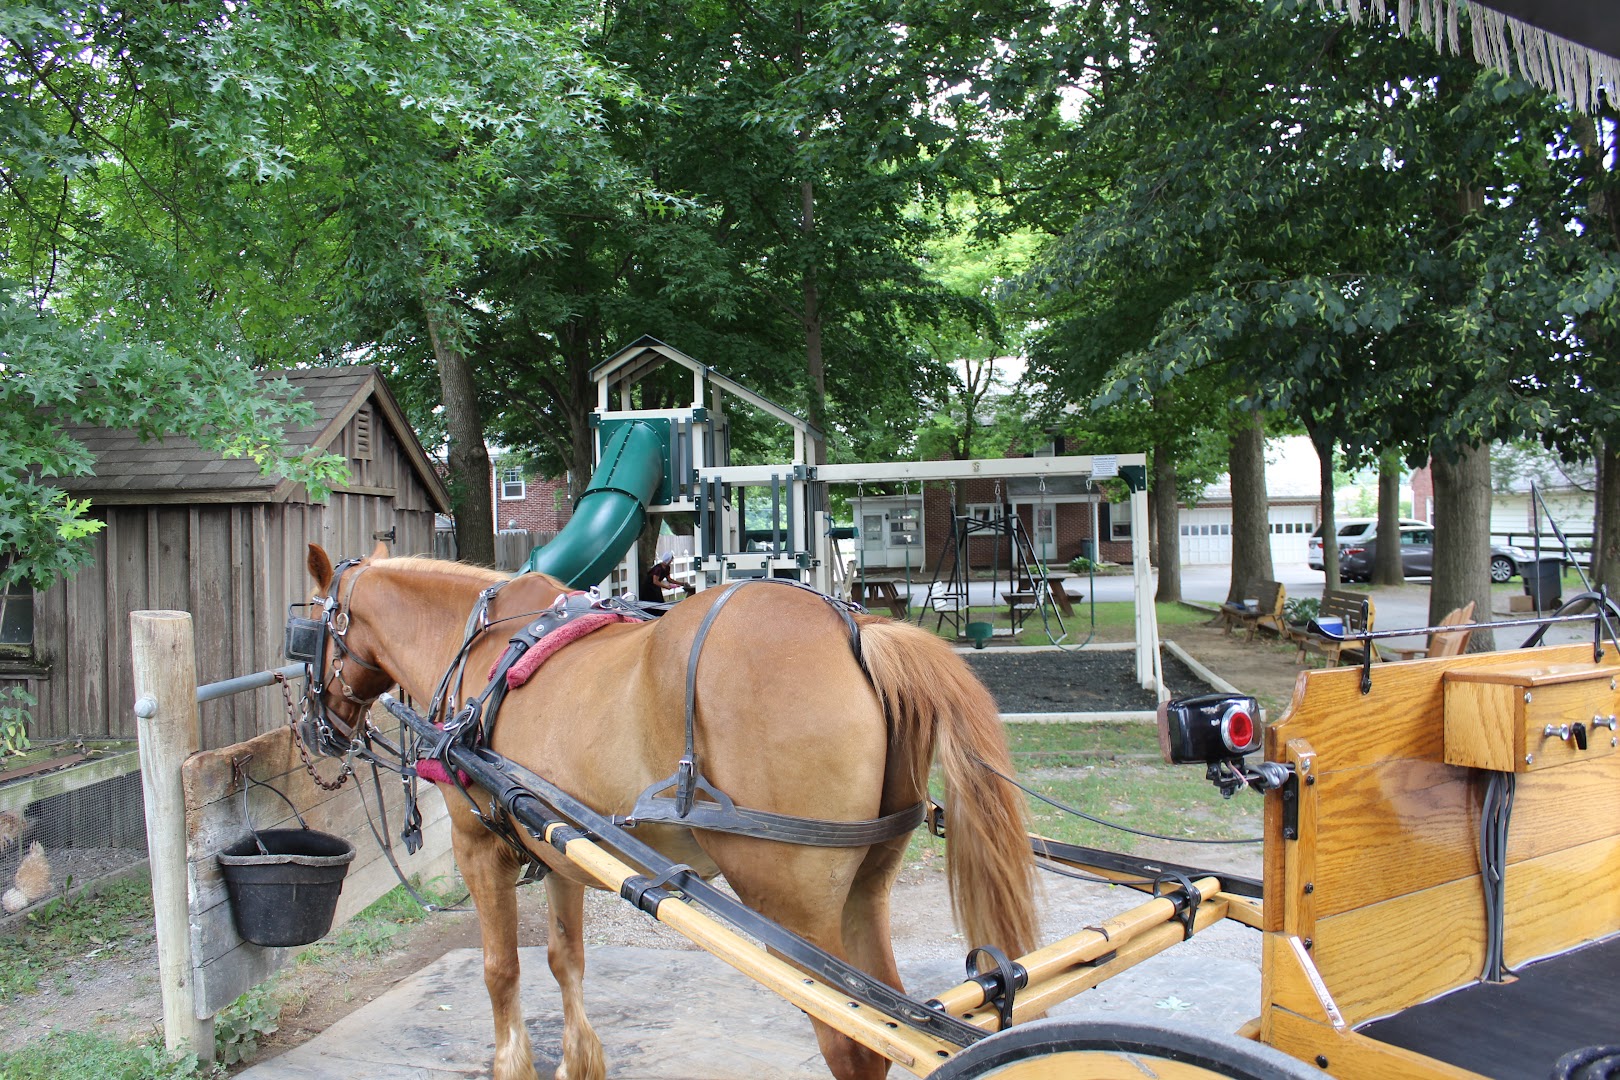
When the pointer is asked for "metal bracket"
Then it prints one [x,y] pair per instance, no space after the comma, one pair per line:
[1290,798]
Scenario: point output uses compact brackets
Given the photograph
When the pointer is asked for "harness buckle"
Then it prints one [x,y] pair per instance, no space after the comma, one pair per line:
[685,786]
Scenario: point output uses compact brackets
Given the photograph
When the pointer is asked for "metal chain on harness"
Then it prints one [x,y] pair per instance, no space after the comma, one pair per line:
[303,751]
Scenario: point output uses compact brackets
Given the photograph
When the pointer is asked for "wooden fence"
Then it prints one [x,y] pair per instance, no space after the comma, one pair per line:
[512,546]
[195,808]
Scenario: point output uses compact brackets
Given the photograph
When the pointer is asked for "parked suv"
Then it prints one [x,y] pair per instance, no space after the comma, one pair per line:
[1417,556]
[1351,531]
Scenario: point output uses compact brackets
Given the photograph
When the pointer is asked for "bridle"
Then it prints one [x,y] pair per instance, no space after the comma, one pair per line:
[307,642]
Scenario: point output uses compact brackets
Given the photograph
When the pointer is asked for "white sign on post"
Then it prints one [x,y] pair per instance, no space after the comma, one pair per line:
[1104,466]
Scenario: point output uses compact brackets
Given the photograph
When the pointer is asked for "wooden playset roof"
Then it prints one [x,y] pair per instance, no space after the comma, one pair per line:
[641,357]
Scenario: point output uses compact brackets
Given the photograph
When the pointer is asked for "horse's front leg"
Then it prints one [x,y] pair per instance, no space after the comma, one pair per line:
[490,871]
[565,952]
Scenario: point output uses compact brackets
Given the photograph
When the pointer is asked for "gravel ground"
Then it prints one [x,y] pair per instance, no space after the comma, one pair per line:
[1055,681]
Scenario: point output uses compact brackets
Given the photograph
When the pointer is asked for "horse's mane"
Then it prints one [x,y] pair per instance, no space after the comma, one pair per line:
[481,574]
[443,566]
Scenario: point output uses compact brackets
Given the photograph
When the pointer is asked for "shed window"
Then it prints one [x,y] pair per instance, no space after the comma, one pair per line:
[16,616]
[512,487]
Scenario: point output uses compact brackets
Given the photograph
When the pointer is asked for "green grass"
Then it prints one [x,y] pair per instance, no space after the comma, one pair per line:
[1113,619]
[374,930]
[70,928]
[74,1055]
[1571,580]
[1114,771]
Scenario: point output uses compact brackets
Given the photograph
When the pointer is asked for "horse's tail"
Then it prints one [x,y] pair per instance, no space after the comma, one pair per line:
[934,701]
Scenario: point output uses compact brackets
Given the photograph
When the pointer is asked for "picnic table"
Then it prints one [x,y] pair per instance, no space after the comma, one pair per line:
[873,593]
[1025,595]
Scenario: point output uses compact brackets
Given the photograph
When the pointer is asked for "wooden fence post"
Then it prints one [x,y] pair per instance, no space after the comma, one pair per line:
[169,729]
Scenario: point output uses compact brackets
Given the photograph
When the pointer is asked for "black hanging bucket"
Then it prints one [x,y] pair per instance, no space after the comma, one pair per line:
[284,883]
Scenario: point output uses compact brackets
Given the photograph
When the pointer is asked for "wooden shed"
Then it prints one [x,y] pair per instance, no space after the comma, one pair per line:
[189,530]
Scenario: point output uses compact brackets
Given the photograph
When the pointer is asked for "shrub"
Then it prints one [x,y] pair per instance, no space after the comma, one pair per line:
[1299,610]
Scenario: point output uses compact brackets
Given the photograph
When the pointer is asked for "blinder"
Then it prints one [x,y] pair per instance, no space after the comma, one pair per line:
[306,638]
[306,641]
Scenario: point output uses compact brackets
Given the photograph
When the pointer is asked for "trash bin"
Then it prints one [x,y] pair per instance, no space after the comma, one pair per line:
[1088,550]
[1544,581]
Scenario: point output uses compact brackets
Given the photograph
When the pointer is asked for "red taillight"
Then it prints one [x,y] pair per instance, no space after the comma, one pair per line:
[1352,551]
[1237,731]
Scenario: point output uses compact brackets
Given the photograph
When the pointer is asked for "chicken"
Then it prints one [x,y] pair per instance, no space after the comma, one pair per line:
[32,883]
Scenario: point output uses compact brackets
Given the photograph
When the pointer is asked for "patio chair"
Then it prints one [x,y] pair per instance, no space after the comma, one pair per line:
[1441,643]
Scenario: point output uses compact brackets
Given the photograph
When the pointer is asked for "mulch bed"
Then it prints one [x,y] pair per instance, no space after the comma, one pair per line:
[1082,681]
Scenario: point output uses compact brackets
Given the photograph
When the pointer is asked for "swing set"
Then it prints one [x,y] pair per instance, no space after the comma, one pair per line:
[1016,572]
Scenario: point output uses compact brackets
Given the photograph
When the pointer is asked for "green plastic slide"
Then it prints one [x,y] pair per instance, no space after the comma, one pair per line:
[610,514]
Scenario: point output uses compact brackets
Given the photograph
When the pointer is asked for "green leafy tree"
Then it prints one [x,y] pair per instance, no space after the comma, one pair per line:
[1351,230]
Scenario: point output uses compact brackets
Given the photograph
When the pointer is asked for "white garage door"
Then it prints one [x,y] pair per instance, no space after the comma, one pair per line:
[1291,527]
[1206,536]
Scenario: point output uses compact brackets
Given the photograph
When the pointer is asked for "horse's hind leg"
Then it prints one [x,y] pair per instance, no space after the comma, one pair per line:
[565,952]
[490,871]
[866,912]
[802,888]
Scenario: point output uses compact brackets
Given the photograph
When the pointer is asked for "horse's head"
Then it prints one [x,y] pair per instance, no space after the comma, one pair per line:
[339,651]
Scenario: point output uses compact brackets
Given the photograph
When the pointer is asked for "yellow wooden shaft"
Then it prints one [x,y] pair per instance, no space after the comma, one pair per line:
[913,1050]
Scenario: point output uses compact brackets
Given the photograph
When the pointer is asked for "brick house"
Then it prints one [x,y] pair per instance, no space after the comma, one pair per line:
[529,503]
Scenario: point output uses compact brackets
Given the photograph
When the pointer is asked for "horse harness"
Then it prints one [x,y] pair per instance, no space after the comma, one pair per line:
[474,724]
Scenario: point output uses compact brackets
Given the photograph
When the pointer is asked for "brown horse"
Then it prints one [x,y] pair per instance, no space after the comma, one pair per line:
[786,721]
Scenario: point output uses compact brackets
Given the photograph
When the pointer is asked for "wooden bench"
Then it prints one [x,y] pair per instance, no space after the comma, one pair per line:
[1348,608]
[1272,596]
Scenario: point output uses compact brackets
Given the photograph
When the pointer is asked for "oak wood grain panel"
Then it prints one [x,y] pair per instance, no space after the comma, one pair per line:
[1402,717]
[1384,957]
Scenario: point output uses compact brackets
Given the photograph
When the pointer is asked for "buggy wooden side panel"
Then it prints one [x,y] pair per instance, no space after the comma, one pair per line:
[1382,885]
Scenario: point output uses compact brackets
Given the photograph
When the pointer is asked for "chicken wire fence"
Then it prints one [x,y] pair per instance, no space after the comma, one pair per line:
[60,832]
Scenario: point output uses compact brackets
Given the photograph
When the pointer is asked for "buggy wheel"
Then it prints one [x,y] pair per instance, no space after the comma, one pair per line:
[1068,1049]
[1502,569]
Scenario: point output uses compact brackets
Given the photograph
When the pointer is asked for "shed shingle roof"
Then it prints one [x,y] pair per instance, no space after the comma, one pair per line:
[127,468]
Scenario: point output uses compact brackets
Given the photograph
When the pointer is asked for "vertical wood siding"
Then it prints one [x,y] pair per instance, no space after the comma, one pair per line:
[234,566]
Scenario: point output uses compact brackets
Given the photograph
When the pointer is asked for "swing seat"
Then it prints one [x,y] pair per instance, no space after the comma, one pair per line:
[979,633]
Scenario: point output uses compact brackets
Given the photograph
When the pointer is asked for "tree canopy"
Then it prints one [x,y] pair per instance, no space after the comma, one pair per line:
[1237,205]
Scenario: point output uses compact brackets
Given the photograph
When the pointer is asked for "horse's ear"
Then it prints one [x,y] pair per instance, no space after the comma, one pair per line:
[380,551]
[320,566]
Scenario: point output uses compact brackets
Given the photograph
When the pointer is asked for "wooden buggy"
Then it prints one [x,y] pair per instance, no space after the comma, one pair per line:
[1439,899]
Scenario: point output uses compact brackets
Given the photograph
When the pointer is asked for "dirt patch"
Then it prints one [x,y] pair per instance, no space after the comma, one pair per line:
[114,990]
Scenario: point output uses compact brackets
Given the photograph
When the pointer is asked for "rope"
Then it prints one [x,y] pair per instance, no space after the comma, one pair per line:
[1066,808]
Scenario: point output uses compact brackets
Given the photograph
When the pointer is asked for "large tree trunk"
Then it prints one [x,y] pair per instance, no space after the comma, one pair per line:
[1606,545]
[1166,513]
[1322,440]
[469,471]
[1387,559]
[1462,540]
[1251,531]
[574,342]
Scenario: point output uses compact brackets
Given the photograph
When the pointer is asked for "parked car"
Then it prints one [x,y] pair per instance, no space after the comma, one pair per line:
[1417,556]
[1505,560]
[1351,530]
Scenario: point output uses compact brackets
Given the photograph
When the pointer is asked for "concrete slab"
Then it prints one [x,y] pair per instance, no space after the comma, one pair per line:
[677,1014]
